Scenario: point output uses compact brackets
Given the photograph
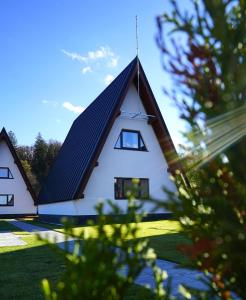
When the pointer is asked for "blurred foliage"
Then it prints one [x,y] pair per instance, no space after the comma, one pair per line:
[204,50]
[107,266]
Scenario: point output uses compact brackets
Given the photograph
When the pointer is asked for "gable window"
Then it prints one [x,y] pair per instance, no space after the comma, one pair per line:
[5,173]
[124,185]
[6,200]
[130,140]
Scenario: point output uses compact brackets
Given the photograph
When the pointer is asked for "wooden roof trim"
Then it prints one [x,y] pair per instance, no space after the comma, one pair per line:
[158,124]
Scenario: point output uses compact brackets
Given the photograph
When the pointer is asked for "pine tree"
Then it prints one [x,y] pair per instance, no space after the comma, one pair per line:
[13,138]
[38,165]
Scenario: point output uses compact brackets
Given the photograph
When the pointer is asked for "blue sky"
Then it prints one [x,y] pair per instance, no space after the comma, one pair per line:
[58,55]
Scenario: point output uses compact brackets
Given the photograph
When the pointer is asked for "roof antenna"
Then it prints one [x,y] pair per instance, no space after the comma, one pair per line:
[137,53]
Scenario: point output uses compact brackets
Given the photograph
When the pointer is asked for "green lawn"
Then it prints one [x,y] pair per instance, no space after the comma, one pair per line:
[23,268]
[164,236]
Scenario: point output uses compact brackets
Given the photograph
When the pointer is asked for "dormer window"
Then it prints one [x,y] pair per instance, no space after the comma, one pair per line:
[5,173]
[130,140]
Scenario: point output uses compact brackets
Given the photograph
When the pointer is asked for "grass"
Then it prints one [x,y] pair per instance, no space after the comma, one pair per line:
[164,236]
[6,226]
[23,268]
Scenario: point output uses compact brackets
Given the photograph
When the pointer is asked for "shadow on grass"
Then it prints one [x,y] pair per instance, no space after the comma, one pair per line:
[22,270]
[7,227]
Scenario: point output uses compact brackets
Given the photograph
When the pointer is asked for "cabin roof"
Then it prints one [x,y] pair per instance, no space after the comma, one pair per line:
[78,155]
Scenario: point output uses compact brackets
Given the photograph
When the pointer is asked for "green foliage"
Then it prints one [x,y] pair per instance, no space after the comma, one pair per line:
[28,170]
[204,51]
[13,138]
[25,153]
[37,159]
[40,150]
[53,149]
[106,266]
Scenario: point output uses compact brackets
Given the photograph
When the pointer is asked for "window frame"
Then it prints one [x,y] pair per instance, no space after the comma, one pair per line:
[120,138]
[10,175]
[124,197]
[9,203]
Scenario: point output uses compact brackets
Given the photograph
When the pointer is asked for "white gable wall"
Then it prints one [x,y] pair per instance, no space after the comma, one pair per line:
[23,202]
[121,163]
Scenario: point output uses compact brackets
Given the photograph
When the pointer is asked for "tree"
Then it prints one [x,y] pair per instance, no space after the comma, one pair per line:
[40,150]
[25,153]
[13,138]
[28,170]
[53,149]
[204,51]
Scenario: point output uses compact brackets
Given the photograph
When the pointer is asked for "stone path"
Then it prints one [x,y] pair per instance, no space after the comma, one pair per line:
[49,234]
[179,275]
[8,239]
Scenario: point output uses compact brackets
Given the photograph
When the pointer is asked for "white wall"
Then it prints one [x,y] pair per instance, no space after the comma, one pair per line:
[23,202]
[121,163]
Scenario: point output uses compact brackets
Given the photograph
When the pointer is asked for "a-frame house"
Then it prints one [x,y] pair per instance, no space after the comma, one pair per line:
[121,135]
[17,197]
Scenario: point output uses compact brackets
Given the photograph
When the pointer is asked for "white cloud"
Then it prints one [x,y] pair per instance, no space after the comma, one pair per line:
[113,62]
[108,79]
[103,53]
[74,55]
[87,69]
[77,109]
[50,103]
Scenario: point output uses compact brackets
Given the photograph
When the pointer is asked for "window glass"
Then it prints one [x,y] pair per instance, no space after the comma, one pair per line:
[118,145]
[5,173]
[118,185]
[141,145]
[3,199]
[125,185]
[7,200]
[130,139]
[144,188]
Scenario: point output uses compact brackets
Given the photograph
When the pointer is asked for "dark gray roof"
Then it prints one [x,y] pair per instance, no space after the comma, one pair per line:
[82,146]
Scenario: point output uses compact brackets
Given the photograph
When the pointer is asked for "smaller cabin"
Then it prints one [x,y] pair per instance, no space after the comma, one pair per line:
[17,197]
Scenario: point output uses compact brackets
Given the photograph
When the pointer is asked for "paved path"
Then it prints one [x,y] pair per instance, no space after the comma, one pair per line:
[49,234]
[178,275]
[8,239]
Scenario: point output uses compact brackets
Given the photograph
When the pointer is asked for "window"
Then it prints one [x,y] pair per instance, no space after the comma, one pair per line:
[5,173]
[7,200]
[124,185]
[130,140]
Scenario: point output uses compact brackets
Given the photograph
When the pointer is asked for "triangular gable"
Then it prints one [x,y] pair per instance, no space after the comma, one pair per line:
[4,136]
[86,138]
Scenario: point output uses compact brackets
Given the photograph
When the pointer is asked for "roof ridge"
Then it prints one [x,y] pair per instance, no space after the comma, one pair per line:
[133,63]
